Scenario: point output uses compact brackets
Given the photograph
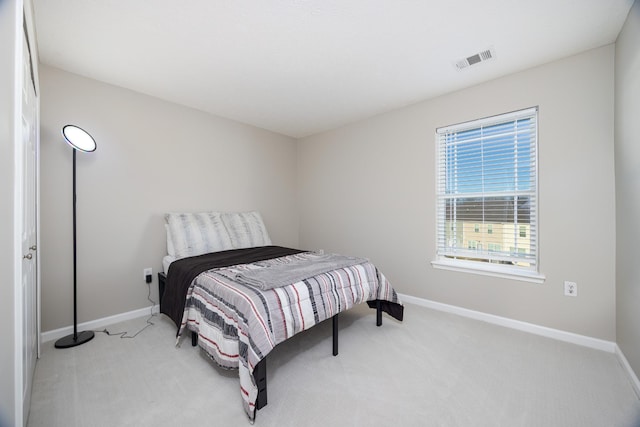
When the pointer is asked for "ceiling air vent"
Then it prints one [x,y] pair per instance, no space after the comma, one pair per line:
[483,56]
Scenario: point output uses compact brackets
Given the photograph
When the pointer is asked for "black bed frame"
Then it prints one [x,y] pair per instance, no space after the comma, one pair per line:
[260,370]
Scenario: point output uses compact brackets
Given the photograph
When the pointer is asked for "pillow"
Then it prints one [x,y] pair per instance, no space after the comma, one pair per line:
[171,251]
[197,233]
[246,229]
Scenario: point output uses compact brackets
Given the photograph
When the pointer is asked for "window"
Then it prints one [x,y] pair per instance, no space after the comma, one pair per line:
[487,178]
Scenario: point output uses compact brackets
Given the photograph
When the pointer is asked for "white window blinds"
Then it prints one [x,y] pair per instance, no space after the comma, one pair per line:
[487,191]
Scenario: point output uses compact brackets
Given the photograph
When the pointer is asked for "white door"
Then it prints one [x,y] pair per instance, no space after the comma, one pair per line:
[29,227]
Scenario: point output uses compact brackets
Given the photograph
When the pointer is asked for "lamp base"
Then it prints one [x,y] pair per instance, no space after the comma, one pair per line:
[72,341]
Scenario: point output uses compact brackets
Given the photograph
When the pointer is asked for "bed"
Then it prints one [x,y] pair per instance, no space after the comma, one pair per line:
[240,295]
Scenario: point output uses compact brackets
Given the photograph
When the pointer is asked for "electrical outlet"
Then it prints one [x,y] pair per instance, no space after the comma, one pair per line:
[147,272]
[570,289]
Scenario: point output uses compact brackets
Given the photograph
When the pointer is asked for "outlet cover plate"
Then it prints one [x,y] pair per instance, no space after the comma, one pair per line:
[570,289]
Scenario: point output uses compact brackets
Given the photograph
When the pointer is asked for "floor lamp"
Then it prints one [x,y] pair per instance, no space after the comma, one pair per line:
[80,140]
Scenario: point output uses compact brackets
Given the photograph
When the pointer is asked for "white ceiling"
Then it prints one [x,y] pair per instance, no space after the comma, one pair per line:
[299,67]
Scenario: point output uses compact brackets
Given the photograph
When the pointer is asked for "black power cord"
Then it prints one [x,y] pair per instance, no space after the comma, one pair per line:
[149,322]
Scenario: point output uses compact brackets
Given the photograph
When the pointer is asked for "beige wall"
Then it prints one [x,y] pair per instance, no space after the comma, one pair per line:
[153,157]
[368,189]
[627,159]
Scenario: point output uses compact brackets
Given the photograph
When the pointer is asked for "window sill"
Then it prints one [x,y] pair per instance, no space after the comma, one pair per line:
[489,270]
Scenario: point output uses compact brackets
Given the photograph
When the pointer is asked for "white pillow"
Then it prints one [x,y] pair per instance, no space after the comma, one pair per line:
[246,229]
[171,251]
[197,233]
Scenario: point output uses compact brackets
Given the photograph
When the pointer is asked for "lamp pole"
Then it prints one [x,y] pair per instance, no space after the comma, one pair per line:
[79,140]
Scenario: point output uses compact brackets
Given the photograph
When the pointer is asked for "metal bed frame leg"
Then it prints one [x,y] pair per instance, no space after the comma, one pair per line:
[335,335]
[260,377]
[194,339]
[378,312]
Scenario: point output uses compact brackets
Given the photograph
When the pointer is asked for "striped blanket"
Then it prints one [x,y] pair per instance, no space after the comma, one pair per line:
[238,324]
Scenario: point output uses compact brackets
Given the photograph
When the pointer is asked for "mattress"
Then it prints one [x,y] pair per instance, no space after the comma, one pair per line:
[166,262]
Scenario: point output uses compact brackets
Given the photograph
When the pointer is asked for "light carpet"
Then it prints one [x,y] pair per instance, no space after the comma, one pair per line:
[433,369]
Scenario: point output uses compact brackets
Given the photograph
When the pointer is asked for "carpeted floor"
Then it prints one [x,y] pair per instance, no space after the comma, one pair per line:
[433,369]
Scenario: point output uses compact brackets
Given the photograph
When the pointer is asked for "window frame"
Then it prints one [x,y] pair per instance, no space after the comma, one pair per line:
[482,265]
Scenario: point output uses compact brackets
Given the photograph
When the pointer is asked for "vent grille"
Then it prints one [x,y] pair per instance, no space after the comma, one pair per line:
[479,57]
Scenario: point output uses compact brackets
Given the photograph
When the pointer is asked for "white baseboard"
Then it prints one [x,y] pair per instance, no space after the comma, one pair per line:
[557,334]
[99,323]
[635,383]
